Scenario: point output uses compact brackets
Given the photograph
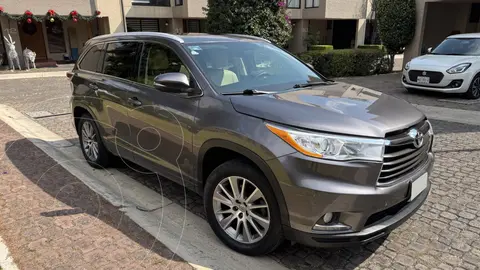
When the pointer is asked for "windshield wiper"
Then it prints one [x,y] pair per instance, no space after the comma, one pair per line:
[249,92]
[303,85]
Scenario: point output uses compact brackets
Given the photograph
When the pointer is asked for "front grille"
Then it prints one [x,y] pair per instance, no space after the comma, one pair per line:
[435,76]
[401,156]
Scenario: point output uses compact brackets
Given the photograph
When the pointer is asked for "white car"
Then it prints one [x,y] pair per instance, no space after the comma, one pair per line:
[452,67]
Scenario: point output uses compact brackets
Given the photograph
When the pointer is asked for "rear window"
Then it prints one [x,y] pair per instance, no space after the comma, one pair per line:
[121,60]
[90,60]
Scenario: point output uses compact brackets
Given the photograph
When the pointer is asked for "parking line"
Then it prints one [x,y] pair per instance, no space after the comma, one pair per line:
[183,232]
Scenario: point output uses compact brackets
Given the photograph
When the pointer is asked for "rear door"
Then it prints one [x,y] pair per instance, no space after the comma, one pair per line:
[163,122]
[119,73]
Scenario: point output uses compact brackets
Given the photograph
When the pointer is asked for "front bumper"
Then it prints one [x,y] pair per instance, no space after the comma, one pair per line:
[312,188]
[366,235]
[445,85]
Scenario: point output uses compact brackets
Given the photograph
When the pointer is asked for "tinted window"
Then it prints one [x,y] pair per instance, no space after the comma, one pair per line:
[236,66]
[121,60]
[158,59]
[90,61]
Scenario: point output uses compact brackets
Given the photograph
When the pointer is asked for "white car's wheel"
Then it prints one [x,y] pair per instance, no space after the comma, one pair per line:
[474,90]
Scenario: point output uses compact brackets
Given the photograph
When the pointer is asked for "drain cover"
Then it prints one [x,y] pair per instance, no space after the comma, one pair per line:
[39,114]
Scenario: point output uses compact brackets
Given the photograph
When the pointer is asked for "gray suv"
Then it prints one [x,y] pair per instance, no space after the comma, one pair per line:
[276,150]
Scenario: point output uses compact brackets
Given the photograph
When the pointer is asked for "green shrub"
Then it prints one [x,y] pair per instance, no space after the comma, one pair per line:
[348,62]
[321,47]
[373,46]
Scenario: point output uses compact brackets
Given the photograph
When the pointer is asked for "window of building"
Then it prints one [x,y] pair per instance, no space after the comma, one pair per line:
[121,60]
[194,26]
[142,25]
[90,60]
[293,3]
[158,59]
[312,3]
[161,3]
[56,37]
[178,2]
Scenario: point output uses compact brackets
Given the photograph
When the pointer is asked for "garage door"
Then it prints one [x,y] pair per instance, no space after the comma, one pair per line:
[142,25]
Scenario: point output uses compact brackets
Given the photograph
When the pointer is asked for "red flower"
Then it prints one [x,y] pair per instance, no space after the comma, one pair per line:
[74,13]
[98,12]
[28,13]
[1,9]
[75,19]
[29,20]
[51,12]
[281,4]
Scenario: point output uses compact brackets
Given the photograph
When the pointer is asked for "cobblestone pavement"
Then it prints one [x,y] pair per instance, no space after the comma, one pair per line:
[444,234]
[390,84]
[51,220]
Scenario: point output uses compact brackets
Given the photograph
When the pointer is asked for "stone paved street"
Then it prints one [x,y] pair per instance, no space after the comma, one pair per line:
[51,220]
[443,234]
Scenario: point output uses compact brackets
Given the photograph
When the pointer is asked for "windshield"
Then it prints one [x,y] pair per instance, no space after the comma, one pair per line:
[235,66]
[459,46]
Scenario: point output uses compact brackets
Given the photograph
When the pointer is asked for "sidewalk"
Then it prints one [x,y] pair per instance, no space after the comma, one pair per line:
[51,220]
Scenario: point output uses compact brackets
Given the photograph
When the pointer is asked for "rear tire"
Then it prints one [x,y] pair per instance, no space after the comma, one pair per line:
[91,143]
[239,211]
[474,89]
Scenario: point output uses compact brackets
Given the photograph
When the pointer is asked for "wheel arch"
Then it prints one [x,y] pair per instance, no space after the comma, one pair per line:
[250,156]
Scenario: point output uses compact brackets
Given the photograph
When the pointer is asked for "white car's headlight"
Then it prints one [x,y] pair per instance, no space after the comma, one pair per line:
[329,146]
[407,66]
[459,68]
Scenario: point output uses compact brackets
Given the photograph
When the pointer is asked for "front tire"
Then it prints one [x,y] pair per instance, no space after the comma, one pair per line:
[242,210]
[474,89]
[91,142]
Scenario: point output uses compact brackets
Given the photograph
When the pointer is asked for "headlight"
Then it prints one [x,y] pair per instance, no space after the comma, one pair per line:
[459,68]
[407,66]
[329,146]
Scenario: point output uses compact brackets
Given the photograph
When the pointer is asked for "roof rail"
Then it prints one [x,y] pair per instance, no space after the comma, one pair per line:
[123,34]
[247,37]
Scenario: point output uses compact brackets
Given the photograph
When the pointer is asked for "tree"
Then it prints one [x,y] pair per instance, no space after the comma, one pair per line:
[263,18]
[396,25]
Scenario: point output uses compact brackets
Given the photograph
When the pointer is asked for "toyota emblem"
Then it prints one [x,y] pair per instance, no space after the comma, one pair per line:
[417,137]
[424,73]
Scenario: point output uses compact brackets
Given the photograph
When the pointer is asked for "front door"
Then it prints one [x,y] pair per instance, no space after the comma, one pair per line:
[31,37]
[161,123]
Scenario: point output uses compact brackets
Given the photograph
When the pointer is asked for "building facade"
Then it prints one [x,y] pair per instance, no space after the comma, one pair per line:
[341,23]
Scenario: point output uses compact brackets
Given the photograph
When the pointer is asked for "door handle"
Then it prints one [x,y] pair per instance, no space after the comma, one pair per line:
[93,86]
[134,101]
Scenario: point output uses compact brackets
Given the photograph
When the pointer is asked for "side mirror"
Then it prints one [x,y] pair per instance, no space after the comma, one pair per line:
[429,50]
[172,82]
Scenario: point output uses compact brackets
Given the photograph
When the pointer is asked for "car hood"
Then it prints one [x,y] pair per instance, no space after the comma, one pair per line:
[338,108]
[446,61]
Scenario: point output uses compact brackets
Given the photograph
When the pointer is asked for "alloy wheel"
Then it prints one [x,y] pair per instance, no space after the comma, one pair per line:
[90,141]
[241,209]
[476,87]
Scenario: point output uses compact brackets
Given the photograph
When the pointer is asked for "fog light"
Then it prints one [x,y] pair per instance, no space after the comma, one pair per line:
[456,83]
[327,217]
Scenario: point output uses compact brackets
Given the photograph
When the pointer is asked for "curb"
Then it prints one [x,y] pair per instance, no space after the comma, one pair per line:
[14,76]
